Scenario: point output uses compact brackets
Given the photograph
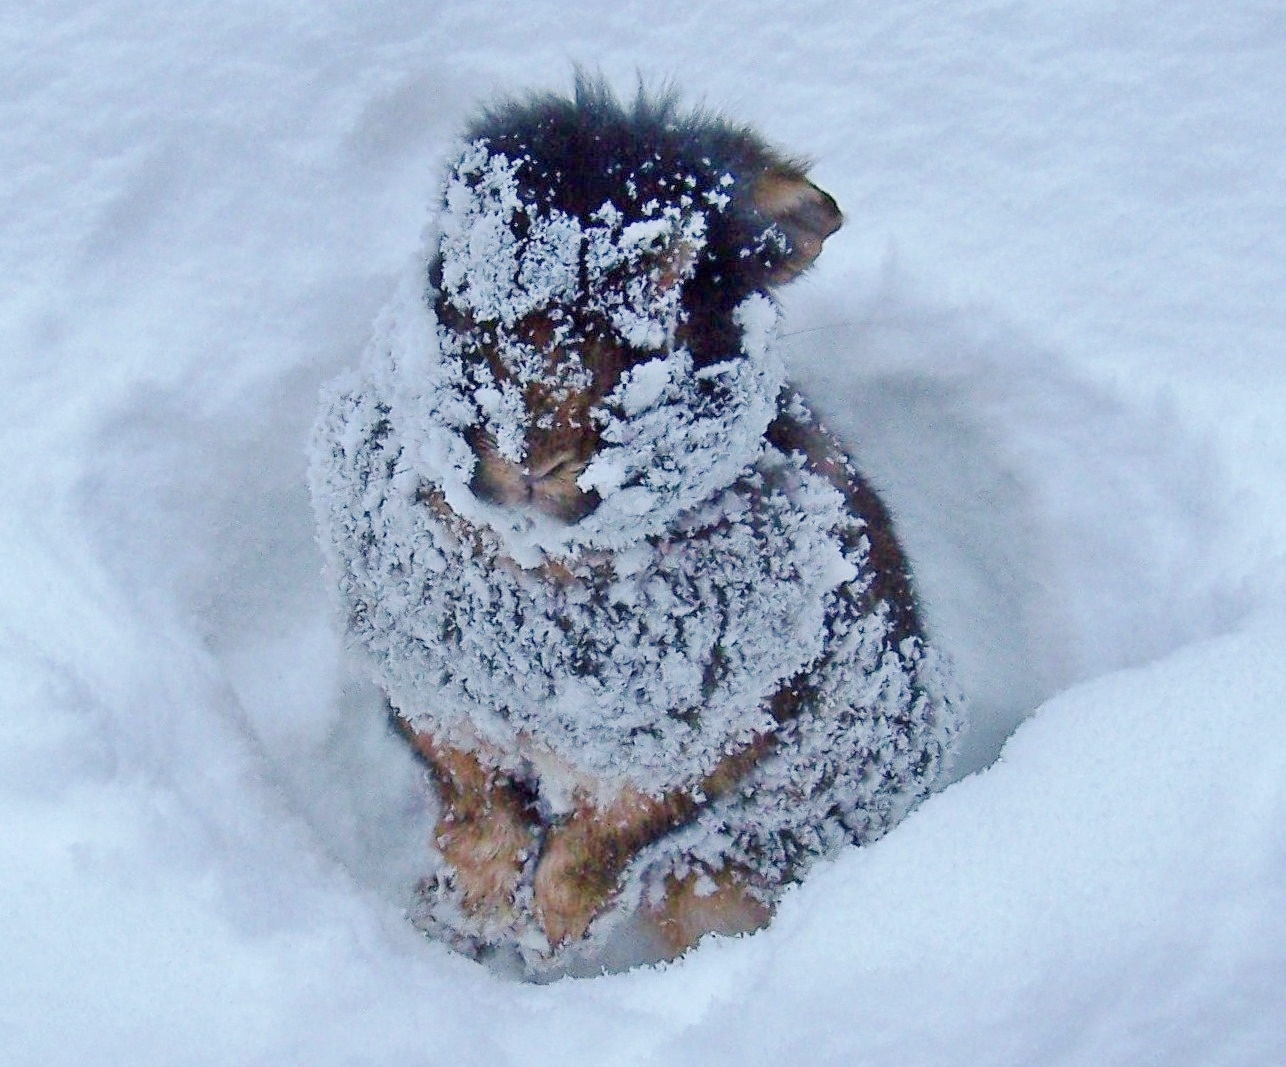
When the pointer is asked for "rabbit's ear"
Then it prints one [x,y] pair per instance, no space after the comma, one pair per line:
[805,214]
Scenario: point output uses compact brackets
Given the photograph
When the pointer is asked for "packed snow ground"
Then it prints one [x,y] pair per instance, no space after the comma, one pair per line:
[1053,329]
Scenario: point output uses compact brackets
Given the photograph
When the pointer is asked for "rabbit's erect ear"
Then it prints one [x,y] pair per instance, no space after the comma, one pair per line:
[803,212]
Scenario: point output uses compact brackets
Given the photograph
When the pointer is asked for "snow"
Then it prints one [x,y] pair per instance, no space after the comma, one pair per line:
[1052,329]
[647,677]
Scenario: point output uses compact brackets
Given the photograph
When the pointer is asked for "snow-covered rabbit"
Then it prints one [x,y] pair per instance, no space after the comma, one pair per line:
[648,626]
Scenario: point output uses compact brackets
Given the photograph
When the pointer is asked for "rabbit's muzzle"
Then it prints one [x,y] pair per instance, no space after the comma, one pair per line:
[545,483]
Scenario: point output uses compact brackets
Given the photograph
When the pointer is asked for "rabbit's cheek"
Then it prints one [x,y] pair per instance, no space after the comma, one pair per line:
[497,481]
[559,497]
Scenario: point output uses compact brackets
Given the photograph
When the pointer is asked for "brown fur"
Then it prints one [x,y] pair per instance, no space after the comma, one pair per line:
[584,857]
[546,482]
[700,904]
[802,211]
[490,829]
[486,831]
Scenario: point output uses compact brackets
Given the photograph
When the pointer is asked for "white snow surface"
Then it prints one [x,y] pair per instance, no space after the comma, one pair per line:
[1052,331]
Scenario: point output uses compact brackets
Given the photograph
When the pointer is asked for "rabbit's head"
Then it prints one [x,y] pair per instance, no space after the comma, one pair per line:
[600,280]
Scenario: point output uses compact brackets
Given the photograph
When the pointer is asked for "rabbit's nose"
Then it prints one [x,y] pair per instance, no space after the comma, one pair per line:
[548,486]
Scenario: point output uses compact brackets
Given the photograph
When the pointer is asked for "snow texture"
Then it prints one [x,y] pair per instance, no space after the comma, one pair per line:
[734,572]
[1052,328]
[671,436]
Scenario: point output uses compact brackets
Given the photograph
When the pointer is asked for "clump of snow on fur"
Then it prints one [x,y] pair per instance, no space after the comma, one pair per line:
[642,674]
[715,572]
[645,667]
[671,436]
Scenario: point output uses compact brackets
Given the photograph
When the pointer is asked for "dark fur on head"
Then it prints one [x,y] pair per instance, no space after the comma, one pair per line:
[590,148]
[763,222]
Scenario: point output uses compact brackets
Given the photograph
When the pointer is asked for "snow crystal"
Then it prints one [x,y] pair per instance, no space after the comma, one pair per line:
[643,643]
[176,890]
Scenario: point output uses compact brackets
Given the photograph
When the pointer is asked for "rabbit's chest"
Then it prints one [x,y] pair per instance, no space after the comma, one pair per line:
[652,665]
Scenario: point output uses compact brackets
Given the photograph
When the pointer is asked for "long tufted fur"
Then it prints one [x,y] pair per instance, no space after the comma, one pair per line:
[649,628]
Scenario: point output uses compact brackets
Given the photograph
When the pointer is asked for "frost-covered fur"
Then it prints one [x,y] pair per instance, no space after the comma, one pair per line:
[647,625]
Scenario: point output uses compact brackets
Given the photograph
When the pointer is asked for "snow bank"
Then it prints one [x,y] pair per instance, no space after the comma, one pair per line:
[1055,334]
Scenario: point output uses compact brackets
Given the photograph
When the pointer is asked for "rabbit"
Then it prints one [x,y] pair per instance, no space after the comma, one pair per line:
[651,632]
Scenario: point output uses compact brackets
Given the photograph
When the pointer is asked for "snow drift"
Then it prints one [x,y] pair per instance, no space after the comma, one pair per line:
[1054,338]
